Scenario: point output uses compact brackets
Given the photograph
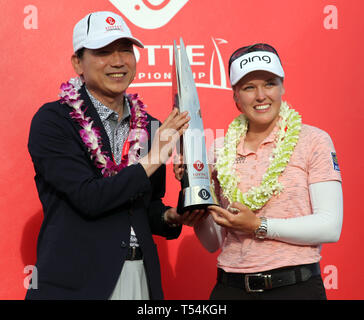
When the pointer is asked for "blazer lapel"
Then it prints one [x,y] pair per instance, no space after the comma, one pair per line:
[91,112]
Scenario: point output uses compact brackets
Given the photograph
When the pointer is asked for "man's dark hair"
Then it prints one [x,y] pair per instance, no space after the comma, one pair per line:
[79,53]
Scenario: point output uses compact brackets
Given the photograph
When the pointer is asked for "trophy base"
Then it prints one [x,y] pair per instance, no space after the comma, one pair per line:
[196,197]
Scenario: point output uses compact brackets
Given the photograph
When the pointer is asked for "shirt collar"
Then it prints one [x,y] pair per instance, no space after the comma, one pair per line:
[243,151]
[106,113]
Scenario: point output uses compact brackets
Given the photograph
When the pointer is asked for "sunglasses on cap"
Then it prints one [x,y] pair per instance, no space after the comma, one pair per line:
[254,47]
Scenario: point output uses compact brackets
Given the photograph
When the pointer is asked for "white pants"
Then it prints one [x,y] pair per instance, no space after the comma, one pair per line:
[132,283]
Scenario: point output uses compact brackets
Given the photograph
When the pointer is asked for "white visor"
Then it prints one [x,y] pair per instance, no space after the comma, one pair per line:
[253,61]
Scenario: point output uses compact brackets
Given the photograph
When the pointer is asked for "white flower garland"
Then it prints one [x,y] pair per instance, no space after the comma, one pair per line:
[286,140]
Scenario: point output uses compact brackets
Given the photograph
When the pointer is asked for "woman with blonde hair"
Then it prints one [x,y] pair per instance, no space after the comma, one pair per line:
[279,187]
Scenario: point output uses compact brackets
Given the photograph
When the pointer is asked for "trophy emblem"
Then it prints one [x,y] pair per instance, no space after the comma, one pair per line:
[196,189]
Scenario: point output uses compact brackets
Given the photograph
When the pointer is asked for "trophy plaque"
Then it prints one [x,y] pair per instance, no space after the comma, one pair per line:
[196,190]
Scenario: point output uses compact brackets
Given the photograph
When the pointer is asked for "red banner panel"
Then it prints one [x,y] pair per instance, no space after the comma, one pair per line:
[319,42]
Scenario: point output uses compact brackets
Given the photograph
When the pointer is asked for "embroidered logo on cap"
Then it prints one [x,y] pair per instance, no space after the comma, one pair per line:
[335,162]
[111,25]
[110,21]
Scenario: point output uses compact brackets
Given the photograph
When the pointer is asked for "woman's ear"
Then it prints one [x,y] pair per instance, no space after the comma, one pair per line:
[238,107]
[235,97]
[236,100]
[283,91]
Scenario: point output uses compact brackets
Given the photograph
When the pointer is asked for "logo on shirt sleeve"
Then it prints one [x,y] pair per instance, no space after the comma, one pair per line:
[334,161]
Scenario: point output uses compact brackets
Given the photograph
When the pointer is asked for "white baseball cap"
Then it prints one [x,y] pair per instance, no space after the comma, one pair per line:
[245,62]
[98,29]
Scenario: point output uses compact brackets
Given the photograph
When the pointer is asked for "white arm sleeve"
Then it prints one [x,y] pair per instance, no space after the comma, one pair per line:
[322,226]
[210,234]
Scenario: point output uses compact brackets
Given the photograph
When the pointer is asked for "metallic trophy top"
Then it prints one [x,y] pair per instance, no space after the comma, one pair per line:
[196,188]
[186,88]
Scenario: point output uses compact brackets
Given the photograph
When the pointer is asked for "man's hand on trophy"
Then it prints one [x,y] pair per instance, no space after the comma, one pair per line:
[165,140]
[170,132]
[189,218]
[178,167]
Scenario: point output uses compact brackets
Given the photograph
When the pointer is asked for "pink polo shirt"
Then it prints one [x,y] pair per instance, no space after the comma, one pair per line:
[313,160]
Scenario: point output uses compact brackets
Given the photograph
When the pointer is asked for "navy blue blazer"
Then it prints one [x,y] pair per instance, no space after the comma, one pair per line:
[85,234]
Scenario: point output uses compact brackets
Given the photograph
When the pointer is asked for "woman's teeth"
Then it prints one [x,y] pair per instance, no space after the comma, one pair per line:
[266,106]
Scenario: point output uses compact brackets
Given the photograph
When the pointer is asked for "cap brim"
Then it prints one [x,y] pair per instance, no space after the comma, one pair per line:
[103,42]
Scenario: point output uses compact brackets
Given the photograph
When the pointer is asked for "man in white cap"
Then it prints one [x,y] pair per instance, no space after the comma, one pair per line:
[100,175]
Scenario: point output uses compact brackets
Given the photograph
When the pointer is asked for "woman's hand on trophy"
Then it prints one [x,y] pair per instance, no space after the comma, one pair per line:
[237,216]
[178,167]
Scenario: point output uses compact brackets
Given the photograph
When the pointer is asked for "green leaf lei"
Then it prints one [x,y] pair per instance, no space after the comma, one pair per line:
[286,140]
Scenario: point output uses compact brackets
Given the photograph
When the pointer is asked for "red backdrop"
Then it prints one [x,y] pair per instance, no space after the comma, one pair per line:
[319,42]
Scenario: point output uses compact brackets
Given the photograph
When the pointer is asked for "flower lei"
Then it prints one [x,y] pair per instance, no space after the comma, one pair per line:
[286,140]
[91,136]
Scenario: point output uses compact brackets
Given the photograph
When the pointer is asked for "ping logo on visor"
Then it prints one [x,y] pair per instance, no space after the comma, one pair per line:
[255,58]
[253,61]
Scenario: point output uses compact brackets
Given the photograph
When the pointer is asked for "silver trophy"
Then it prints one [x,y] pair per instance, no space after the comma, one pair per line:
[196,190]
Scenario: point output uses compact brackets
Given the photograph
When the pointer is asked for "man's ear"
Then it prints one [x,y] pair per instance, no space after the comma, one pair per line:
[76,63]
